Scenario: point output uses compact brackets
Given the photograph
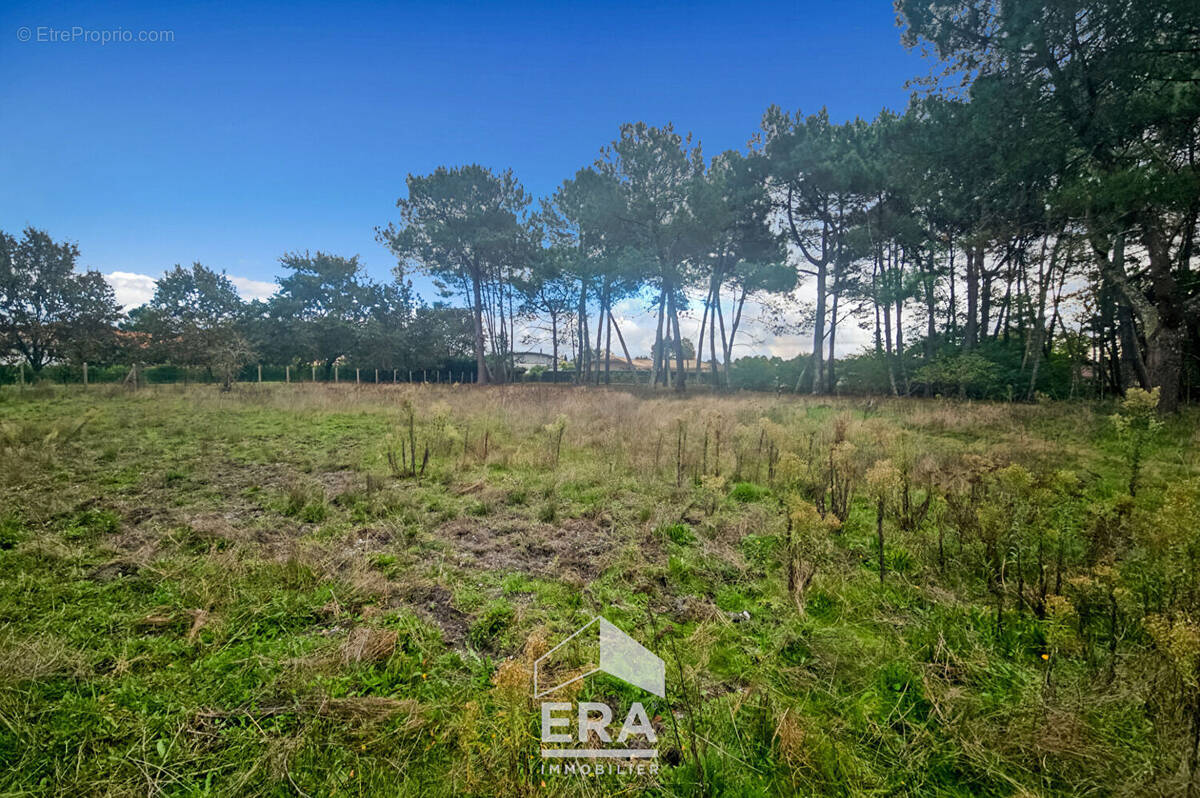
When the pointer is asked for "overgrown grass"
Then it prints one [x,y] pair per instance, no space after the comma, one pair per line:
[241,594]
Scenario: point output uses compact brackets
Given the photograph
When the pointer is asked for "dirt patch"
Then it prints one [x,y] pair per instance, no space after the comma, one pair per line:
[231,477]
[234,480]
[142,514]
[215,527]
[220,530]
[111,571]
[241,519]
[339,482]
[432,603]
[372,538]
[691,609]
[468,490]
[577,548]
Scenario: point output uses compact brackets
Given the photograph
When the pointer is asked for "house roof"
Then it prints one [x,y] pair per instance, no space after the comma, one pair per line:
[639,363]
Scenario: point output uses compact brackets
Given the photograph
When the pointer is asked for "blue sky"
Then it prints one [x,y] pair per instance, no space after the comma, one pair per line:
[262,129]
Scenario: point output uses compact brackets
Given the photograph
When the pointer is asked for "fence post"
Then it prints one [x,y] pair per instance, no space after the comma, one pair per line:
[287,373]
[85,374]
[356,377]
[335,373]
[21,371]
[260,373]
[410,375]
[394,376]
[377,376]
[424,377]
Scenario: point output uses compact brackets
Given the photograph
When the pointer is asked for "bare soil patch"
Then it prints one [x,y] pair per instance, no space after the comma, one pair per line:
[433,603]
[576,547]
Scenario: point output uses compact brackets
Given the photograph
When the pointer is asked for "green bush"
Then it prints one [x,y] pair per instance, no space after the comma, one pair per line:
[746,492]
[678,533]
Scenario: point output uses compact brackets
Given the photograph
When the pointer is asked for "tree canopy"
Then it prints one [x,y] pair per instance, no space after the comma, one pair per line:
[1025,226]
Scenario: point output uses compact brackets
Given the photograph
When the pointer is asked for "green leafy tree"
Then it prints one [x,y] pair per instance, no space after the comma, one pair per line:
[324,303]
[91,334]
[193,320]
[438,335]
[1114,80]
[48,311]
[963,375]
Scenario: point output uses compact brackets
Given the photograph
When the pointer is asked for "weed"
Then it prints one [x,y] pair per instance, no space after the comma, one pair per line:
[680,534]
[495,618]
[11,532]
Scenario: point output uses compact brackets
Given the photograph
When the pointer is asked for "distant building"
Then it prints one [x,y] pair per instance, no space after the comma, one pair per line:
[133,341]
[621,364]
[531,359]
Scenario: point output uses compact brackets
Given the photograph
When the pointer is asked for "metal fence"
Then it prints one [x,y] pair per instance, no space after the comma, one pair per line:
[81,374]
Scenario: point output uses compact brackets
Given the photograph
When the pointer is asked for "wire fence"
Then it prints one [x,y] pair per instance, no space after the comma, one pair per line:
[83,374]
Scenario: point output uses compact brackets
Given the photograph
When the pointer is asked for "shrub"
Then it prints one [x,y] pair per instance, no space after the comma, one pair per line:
[1136,424]
[747,492]
[678,533]
[966,374]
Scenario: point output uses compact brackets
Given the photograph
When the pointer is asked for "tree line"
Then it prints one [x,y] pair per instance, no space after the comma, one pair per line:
[1026,225]
[326,310]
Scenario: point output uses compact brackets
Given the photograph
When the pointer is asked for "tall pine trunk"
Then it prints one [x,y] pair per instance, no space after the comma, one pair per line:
[971,328]
[712,336]
[1165,356]
[819,334]
[658,338]
[681,380]
[482,376]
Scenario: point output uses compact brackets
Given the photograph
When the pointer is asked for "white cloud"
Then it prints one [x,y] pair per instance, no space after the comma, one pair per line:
[134,289]
[131,289]
[253,289]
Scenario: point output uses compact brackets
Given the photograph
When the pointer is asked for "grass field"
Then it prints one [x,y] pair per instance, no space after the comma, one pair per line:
[252,593]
